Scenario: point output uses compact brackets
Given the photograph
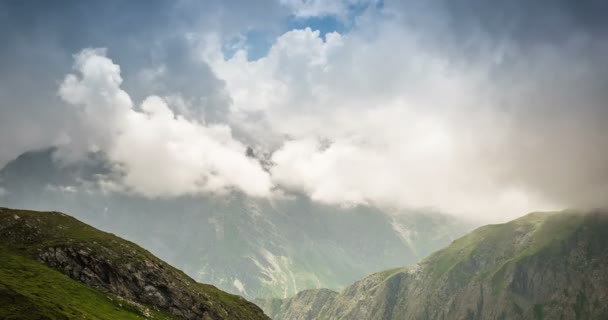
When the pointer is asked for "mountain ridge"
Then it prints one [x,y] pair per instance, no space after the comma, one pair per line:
[250,247]
[111,265]
[540,266]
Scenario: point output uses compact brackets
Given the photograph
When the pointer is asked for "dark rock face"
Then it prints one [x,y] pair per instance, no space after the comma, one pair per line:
[146,282]
[541,266]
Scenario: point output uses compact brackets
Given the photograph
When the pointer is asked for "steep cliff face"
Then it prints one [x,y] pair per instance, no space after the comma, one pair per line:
[541,266]
[115,266]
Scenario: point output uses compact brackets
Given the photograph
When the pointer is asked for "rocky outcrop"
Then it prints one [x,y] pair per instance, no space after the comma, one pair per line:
[116,266]
[146,281]
[541,266]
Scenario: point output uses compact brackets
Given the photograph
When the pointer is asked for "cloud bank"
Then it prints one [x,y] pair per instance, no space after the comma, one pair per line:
[482,110]
[396,116]
[158,152]
[367,126]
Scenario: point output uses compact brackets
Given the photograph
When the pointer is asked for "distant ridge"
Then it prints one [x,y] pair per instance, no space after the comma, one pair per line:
[540,266]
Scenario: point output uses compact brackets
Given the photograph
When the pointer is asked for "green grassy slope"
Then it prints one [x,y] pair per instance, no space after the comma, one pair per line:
[132,277]
[500,244]
[31,290]
[540,266]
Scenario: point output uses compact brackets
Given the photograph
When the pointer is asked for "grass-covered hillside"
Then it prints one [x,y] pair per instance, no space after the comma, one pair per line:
[540,266]
[31,290]
[53,266]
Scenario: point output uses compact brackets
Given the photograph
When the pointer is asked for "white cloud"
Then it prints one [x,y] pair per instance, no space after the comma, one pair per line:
[418,103]
[160,153]
[102,105]
[379,121]
[385,115]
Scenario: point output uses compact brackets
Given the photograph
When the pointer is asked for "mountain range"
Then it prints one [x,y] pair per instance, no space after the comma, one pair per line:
[540,266]
[257,248]
[545,265]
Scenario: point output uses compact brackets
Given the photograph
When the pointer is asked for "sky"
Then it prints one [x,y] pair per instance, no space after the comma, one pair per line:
[479,109]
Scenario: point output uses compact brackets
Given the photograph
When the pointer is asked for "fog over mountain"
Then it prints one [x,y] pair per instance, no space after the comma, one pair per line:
[249,246]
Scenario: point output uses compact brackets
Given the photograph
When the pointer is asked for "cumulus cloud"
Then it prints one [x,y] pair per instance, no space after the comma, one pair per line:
[396,119]
[365,126]
[158,152]
[39,39]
